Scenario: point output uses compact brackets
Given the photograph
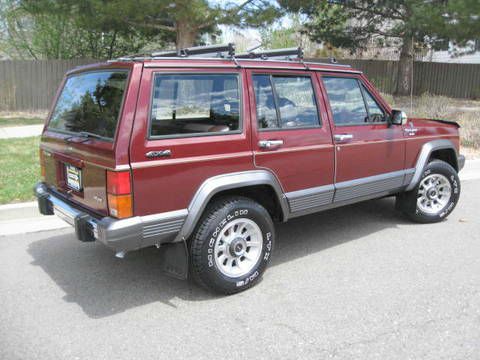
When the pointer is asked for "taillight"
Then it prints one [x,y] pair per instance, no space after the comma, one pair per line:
[118,182]
[119,193]
[42,163]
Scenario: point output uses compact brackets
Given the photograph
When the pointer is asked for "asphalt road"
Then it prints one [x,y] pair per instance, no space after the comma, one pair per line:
[359,282]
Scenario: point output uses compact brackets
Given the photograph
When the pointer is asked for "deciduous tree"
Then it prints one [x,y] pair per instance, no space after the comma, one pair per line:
[352,24]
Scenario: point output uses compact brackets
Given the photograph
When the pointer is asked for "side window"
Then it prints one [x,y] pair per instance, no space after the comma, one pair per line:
[267,116]
[351,103]
[375,112]
[285,102]
[186,104]
[346,101]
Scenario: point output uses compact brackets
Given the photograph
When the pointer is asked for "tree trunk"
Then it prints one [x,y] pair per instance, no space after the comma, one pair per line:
[112,44]
[405,68]
[185,35]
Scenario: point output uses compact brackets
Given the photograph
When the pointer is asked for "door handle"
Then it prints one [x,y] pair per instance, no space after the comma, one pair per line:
[270,144]
[343,137]
[157,154]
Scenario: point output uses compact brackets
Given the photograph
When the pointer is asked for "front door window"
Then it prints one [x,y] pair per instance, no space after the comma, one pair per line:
[351,103]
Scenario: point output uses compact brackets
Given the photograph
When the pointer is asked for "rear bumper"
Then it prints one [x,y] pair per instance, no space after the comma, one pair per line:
[460,162]
[120,235]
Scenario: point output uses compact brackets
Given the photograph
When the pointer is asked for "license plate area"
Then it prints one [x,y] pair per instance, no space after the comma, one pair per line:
[73,177]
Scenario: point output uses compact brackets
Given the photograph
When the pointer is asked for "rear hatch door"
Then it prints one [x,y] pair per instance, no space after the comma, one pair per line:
[79,144]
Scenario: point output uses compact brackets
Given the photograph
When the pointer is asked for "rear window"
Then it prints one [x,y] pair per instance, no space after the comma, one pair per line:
[90,102]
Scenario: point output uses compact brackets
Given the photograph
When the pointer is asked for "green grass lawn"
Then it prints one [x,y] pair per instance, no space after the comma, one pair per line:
[19,169]
[19,121]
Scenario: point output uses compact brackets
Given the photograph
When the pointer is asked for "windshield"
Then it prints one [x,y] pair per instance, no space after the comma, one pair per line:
[90,103]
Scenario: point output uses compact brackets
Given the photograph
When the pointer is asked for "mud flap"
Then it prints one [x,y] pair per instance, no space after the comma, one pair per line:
[403,204]
[174,258]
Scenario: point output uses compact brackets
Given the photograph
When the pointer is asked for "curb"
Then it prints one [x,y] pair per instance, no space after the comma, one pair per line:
[18,205]
[24,218]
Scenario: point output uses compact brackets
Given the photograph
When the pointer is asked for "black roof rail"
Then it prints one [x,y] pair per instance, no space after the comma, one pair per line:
[332,62]
[298,52]
[198,50]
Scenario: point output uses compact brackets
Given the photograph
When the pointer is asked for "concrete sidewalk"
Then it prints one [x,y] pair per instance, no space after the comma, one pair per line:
[24,217]
[20,131]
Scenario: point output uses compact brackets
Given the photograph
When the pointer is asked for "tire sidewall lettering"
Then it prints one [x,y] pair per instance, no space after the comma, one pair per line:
[267,248]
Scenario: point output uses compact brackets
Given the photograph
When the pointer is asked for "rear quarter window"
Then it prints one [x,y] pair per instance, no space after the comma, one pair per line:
[90,102]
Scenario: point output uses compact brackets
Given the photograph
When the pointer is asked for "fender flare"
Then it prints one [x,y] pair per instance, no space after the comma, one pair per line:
[424,156]
[219,183]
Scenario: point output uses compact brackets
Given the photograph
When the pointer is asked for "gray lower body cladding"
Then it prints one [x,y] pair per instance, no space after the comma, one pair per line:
[326,197]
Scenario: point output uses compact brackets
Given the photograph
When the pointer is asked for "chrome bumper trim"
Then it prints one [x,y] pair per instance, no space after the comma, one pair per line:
[118,234]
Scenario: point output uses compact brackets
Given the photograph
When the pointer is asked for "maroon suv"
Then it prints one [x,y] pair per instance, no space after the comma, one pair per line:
[200,155]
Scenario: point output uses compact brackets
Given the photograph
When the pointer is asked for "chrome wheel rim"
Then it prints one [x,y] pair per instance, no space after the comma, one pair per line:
[238,247]
[434,193]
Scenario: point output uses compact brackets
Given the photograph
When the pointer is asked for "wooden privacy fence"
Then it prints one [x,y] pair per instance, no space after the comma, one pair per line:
[31,85]
[452,80]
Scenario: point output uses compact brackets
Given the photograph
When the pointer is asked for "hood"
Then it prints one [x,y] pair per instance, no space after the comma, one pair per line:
[433,122]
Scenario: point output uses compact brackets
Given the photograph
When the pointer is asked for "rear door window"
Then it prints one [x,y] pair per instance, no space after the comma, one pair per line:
[285,102]
[195,104]
[90,102]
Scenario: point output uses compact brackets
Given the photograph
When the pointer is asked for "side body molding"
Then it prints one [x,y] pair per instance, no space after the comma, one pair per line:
[219,183]
[424,155]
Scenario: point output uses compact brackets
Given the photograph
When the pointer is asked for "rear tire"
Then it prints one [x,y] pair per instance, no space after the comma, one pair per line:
[232,245]
[435,196]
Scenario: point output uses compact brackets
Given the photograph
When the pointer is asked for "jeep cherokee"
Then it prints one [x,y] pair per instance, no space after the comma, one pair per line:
[200,155]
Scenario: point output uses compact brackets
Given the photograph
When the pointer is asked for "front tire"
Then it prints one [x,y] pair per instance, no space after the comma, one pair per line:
[435,196]
[232,245]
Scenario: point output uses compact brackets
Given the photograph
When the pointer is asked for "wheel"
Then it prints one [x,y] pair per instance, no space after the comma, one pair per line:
[435,196]
[232,245]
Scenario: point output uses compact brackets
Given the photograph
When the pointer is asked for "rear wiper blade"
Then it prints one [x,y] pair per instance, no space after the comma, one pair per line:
[87,134]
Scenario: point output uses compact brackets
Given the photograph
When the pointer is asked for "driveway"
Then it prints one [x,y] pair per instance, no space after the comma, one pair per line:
[359,282]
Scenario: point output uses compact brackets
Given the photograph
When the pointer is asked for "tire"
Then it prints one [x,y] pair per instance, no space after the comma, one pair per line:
[232,245]
[429,201]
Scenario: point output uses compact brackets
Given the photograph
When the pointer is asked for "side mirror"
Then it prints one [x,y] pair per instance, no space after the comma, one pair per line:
[398,117]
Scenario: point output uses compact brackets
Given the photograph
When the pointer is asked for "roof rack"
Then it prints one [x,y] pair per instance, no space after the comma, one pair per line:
[227,51]
[289,52]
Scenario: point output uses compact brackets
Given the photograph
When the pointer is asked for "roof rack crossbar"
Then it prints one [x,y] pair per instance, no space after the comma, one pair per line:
[198,50]
[298,52]
[166,53]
